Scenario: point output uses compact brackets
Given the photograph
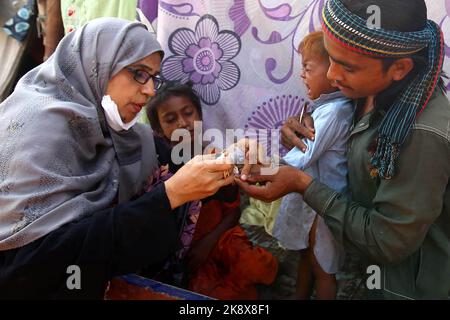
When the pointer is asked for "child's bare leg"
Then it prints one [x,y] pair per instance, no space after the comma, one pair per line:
[325,283]
[304,277]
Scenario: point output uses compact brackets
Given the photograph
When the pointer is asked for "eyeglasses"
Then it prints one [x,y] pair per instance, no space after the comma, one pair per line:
[142,76]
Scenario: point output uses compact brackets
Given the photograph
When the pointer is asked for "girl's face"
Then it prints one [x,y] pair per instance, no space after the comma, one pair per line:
[127,89]
[177,112]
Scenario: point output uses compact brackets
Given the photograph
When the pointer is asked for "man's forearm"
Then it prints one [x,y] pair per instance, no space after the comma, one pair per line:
[302,182]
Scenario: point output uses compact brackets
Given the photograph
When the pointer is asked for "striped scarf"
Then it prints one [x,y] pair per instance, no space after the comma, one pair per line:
[352,32]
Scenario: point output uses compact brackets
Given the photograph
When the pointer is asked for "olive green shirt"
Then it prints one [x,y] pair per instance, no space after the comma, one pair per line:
[403,224]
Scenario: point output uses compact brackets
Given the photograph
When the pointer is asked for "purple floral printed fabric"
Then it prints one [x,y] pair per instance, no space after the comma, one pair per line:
[241,55]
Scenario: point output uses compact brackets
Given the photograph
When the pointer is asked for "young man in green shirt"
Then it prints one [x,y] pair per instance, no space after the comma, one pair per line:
[398,213]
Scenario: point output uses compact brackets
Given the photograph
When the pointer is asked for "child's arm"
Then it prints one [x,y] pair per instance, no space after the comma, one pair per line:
[200,251]
[203,247]
[331,127]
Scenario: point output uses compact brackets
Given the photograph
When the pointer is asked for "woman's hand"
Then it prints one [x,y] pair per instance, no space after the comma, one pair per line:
[201,177]
[285,180]
[292,132]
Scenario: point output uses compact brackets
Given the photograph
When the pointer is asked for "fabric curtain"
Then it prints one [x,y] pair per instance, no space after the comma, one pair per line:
[242,56]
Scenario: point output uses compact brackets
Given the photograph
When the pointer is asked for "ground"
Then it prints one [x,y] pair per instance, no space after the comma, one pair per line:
[350,281]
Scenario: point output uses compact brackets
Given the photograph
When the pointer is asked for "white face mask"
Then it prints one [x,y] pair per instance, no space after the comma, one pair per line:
[113,116]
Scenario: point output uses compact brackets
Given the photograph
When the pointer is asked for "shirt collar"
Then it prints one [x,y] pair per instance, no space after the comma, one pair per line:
[326,97]
[365,121]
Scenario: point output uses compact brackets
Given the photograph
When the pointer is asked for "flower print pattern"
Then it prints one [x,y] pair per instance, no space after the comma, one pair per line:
[271,115]
[204,57]
[288,23]
[18,26]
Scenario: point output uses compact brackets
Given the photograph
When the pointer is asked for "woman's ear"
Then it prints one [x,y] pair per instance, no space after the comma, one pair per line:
[400,68]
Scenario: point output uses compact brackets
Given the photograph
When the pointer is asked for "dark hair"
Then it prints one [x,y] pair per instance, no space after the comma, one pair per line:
[396,15]
[171,89]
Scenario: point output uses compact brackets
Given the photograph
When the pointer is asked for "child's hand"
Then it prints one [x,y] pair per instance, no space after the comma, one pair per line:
[292,132]
[234,155]
[253,153]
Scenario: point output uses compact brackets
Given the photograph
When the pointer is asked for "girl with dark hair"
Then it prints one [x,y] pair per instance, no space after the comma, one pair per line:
[221,260]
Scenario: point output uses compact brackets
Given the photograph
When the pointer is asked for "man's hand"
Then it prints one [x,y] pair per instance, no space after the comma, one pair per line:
[287,179]
[292,132]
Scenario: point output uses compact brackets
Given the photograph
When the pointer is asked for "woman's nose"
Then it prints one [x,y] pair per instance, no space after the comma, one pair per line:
[148,89]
